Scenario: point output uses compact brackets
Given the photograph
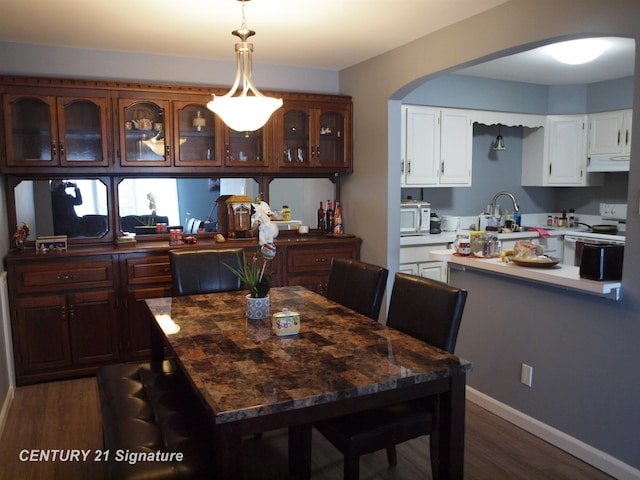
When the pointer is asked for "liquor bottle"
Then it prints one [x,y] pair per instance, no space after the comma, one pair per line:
[337,225]
[321,225]
[330,217]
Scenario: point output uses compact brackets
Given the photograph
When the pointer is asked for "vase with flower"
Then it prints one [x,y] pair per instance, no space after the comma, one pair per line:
[253,272]
[21,235]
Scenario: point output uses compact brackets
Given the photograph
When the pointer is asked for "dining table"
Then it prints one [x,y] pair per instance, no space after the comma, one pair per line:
[250,380]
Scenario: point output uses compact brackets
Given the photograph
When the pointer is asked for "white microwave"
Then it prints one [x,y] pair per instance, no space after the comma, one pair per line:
[415,218]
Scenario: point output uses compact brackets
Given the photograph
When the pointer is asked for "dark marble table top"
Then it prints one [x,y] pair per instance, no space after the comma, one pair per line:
[243,370]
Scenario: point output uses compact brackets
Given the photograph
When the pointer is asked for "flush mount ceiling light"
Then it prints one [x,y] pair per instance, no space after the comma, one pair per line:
[244,113]
[576,52]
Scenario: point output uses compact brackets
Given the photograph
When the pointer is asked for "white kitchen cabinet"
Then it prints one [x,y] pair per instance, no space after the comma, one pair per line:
[436,147]
[610,133]
[556,155]
[415,260]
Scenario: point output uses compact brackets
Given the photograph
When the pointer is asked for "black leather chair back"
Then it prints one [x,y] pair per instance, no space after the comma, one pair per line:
[357,285]
[203,271]
[427,309]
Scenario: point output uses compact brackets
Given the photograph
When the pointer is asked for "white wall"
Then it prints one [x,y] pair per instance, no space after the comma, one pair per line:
[522,23]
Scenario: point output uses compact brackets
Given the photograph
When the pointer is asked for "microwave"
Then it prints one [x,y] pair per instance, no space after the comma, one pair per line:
[415,218]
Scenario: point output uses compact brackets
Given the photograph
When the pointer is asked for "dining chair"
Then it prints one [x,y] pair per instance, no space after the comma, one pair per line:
[432,312]
[204,271]
[357,285]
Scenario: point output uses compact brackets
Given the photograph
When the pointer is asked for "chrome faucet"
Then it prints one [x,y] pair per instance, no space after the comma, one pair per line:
[516,208]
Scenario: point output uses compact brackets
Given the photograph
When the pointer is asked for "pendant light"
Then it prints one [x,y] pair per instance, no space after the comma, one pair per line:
[499,142]
[244,113]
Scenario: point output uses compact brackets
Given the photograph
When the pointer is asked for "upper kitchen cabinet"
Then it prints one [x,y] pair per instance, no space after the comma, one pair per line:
[162,131]
[610,133]
[314,136]
[436,147]
[556,155]
[195,135]
[248,149]
[144,127]
[46,129]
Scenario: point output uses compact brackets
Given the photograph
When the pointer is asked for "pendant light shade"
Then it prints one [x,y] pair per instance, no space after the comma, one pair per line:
[498,144]
[244,112]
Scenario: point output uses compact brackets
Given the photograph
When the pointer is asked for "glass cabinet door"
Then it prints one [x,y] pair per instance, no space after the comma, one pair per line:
[144,139]
[331,150]
[30,126]
[248,149]
[82,125]
[195,135]
[297,150]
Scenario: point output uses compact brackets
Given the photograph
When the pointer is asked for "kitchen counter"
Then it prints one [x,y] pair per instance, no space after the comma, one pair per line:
[449,237]
[564,276]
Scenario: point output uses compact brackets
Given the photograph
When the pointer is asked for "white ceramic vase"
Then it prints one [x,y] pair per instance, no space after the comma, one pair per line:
[258,308]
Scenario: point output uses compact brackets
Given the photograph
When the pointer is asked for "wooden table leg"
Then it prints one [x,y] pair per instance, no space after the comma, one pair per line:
[157,344]
[300,451]
[451,430]
[227,451]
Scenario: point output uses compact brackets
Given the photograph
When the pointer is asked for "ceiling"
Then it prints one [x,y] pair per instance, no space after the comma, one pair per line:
[327,34]
[537,66]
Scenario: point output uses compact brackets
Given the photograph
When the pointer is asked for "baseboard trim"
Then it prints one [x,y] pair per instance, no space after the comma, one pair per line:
[6,405]
[600,460]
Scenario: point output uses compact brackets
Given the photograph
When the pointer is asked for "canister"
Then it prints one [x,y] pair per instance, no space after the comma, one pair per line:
[285,323]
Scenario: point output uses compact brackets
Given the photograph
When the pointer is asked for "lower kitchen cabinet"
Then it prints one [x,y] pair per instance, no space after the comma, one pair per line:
[63,316]
[309,265]
[415,260]
[72,312]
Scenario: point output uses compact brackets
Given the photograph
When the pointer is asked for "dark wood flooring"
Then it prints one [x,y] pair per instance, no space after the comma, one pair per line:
[66,415]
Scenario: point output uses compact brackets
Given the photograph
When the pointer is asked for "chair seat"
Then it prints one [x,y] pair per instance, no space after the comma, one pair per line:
[373,430]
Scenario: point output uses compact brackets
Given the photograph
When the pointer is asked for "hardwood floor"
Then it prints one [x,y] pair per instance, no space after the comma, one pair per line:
[66,415]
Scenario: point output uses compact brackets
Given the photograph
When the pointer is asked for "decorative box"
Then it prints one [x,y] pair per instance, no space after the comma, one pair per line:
[56,243]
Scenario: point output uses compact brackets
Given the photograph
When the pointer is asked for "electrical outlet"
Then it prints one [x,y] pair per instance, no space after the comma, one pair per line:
[526,374]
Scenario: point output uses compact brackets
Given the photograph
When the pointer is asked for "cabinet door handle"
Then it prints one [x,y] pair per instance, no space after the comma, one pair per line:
[61,150]
[63,312]
[54,150]
[402,166]
[71,313]
[167,150]
[618,137]
[626,137]
[66,277]
[321,260]
[227,151]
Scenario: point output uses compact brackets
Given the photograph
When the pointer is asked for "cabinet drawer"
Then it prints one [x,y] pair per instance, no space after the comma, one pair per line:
[144,270]
[52,276]
[316,259]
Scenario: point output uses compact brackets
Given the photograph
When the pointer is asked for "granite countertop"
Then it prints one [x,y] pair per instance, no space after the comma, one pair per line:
[565,276]
[243,370]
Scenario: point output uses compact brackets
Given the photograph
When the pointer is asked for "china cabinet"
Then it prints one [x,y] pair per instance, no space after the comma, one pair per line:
[314,135]
[54,129]
[243,150]
[122,127]
[143,131]
[196,135]
[73,311]
[63,315]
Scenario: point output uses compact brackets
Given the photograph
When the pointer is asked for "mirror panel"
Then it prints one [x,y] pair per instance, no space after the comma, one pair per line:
[74,207]
[302,196]
[189,202]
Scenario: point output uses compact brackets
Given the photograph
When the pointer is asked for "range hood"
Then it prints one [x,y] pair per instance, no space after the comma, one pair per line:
[608,163]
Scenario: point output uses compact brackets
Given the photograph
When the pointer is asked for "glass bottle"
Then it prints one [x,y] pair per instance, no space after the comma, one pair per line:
[330,217]
[321,214]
